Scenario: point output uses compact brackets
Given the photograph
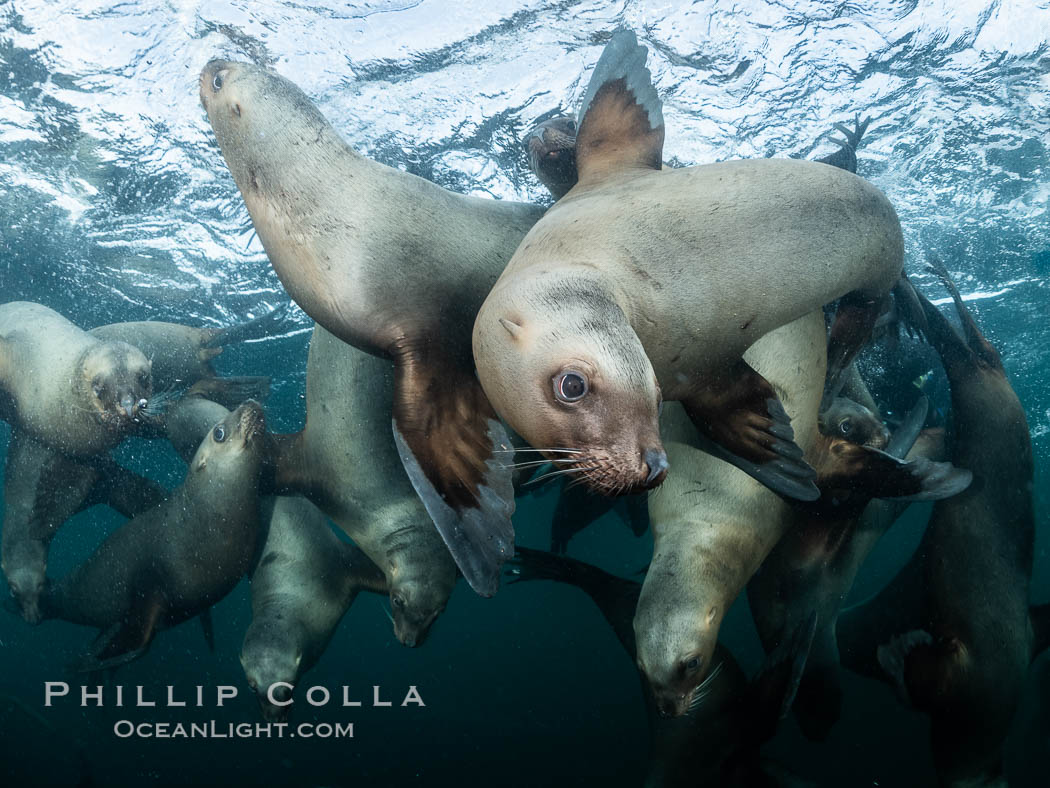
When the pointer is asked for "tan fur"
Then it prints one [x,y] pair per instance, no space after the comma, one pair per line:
[713,524]
[49,376]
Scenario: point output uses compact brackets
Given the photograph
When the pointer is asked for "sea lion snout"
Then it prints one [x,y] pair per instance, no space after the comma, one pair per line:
[656,461]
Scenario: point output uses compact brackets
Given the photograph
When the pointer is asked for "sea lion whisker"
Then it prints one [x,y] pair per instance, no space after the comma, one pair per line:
[534,463]
[552,474]
[515,451]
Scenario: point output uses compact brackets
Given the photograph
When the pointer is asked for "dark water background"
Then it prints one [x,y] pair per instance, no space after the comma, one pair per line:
[115,205]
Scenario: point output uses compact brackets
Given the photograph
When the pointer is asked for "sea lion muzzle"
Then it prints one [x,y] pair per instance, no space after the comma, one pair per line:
[656,460]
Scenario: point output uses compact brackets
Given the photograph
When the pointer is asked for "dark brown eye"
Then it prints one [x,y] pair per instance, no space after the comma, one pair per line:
[216,81]
[398,602]
[570,386]
[219,433]
[845,426]
[692,664]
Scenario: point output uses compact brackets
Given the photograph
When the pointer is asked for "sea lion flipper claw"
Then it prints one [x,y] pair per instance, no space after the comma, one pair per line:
[453,448]
[742,421]
[621,118]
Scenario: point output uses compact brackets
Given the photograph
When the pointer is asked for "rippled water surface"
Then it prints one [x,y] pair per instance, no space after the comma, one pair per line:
[115,203]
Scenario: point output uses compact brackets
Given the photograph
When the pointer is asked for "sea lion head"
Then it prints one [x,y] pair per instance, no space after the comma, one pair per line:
[421,576]
[560,362]
[271,655]
[267,128]
[118,382]
[851,421]
[675,652]
[235,444]
[552,154]
[25,567]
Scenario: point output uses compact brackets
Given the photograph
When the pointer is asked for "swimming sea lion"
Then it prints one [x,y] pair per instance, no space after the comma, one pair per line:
[713,525]
[644,284]
[182,355]
[395,266]
[345,461]
[952,630]
[853,422]
[43,488]
[305,580]
[148,575]
[64,387]
[718,743]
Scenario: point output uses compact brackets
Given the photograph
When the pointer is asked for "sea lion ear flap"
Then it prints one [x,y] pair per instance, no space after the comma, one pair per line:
[512,328]
[456,454]
[621,120]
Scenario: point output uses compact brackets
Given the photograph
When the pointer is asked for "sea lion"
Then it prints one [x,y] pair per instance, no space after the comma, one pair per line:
[144,576]
[853,422]
[305,580]
[42,489]
[551,147]
[65,388]
[718,743]
[395,266]
[644,285]
[952,631]
[181,356]
[713,525]
[345,461]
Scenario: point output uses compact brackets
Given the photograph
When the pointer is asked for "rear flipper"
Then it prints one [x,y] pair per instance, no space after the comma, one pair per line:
[261,327]
[742,421]
[774,687]
[231,392]
[894,657]
[125,641]
[846,157]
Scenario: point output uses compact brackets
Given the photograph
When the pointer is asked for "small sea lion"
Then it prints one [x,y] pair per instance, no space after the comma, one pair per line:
[175,561]
[305,580]
[713,525]
[853,422]
[43,488]
[718,743]
[396,266]
[644,285]
[952,631]
[67,389]
[181,356]
[345,461]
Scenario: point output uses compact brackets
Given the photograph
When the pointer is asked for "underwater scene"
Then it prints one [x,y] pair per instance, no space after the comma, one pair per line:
[416,392]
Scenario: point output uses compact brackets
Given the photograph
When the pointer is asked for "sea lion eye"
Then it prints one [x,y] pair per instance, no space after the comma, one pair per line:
[572,125]
[570,386]
[692,664]
[217,80]
[398,602]
[846,426]
[219,433]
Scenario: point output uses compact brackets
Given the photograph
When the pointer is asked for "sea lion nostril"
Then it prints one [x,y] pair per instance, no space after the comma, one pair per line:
[656,460]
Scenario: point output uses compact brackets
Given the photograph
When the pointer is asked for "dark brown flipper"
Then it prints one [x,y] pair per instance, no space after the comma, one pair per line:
[854,321]
[845,158]
[872,473]
[260,327]
[742,421]
[127,640]
[454,448]
[622,123]
[975,341]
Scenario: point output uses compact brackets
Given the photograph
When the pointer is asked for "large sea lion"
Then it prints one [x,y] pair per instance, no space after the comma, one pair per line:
[305,580]
[718,743]
[953,630]
[713,525]
[42,489]
[345,461]
[395,266]
[65,388]
[644,285]
[175,561]
[181,356]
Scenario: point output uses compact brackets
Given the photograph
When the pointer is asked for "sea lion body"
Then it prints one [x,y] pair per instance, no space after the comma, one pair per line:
[713,524]
[345,461]
[43,488]
[65,388]
[305,580]
[149,574]
[646,284]
[952,630]
[395,266]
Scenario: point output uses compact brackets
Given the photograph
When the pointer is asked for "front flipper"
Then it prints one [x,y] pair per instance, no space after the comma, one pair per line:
[774,688]
[126,640]
[742,421]
[455,451]
[125,491]
[878,474]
